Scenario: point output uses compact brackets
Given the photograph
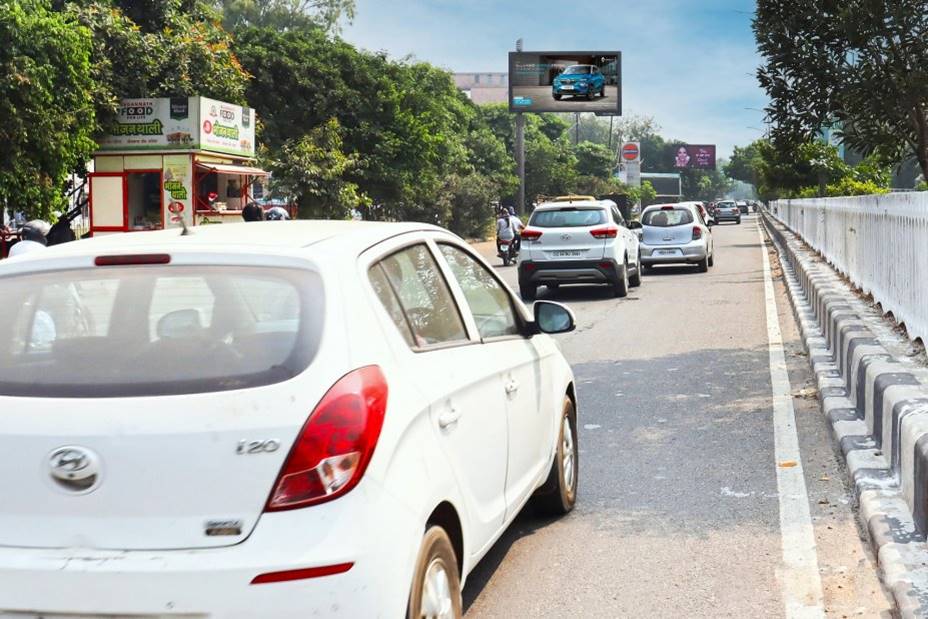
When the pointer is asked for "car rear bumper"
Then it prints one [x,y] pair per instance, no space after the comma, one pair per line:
[693,252]
[217,582]
[727,217]
[568,272]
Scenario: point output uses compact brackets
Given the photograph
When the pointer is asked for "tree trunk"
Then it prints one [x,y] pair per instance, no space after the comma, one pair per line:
[921,138]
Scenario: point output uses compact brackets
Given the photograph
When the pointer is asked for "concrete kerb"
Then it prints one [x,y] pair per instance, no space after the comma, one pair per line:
[878,413]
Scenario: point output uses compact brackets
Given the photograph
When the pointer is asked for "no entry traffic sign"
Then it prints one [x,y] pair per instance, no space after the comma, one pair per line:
[631,151]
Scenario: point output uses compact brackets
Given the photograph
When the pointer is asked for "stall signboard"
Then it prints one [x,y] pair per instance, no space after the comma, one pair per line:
[184,124]
[178,190]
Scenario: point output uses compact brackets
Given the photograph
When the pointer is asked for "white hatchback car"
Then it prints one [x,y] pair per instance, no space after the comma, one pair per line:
[269,420]
[579,242]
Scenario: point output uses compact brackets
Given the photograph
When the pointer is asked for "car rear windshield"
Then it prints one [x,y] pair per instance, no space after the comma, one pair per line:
[156,330]
[667,218]
[571,217]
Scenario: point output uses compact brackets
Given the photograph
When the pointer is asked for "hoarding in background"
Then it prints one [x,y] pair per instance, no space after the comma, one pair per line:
[183,124]
[695,156]
[566,82]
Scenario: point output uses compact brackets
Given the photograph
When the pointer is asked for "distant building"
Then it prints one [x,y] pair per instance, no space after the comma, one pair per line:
[484,88]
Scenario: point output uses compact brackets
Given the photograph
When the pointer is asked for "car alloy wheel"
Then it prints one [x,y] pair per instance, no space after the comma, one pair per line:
[569,455]
[436,593]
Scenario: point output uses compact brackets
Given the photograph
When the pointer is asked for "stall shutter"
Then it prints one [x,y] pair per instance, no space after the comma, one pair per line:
[107,202]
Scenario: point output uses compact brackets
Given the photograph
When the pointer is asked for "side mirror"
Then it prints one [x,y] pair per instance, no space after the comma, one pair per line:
[551,317]
[710,223]
[179,324]
[634,225]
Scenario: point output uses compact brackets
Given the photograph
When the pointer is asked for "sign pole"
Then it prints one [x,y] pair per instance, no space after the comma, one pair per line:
[520,151]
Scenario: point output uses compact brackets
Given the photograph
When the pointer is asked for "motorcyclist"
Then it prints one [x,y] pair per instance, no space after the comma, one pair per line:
[32,238]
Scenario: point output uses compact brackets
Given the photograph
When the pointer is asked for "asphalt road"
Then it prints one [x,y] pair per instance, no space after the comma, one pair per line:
[679,512]
[541,96]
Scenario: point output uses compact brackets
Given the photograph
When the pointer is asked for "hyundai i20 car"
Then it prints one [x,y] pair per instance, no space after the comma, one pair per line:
[270,420]
[579,80]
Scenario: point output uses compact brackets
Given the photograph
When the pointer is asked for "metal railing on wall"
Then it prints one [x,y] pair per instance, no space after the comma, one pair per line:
[880,243]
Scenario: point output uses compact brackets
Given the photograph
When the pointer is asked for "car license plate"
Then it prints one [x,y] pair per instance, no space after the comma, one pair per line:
[668,252]
[567,87]
[567,254]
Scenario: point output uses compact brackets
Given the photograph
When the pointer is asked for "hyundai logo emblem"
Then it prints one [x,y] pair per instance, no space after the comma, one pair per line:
[73,468]
[565,237]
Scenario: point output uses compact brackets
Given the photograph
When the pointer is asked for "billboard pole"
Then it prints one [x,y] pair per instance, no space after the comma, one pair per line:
[520,150]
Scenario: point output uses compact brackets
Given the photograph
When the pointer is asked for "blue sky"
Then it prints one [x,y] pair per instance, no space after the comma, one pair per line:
[689,64]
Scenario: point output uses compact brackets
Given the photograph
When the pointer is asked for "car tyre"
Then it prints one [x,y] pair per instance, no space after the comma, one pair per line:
[635,280]
[506,260]
[557,97]
[703,265]
[436,584]
[620,287]
[558,495]
[602,91]
[590,95]
[712,259]
[738,221]
[528,291]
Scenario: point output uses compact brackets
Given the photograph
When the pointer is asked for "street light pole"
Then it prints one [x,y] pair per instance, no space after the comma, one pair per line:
[520,149]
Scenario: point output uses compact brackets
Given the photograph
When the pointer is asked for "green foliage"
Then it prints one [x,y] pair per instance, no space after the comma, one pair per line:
[645,195]
[860,66]
[285,14]
[847,186]
[312,169]
[594,160]
[45,75]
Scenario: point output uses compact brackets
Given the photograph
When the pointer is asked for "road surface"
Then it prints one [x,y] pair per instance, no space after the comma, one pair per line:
[679,511]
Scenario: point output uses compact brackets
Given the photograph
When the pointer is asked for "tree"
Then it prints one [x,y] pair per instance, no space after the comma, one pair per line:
[594,160]
[860,66]
[48,117]
[313,169]
[286,14]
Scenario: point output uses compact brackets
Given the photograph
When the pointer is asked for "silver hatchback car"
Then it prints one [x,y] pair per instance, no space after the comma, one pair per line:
[676,234]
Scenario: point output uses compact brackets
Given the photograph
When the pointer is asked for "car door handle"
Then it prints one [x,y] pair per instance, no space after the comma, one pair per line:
[449,417]
[512,387]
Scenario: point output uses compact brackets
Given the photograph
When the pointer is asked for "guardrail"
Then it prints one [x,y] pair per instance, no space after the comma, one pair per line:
[880,243]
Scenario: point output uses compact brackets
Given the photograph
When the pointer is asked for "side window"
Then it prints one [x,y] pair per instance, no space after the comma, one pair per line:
[388,298]
[617,214]
[488,300]
[423,297]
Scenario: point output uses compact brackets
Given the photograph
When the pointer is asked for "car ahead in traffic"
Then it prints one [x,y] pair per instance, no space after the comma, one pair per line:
[743,207]
[675,234]
[270,420]
[727,210]
[579,80]
[581,242]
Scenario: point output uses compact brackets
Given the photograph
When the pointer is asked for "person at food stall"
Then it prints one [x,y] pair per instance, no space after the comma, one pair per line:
[252,212]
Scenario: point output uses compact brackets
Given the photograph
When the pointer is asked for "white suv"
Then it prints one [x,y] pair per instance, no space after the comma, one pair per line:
[582,242]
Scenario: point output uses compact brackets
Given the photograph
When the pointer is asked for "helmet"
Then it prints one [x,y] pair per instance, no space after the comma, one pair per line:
[35,230]
[276,213]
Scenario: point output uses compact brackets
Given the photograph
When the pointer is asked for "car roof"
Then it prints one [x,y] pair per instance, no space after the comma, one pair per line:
[261,237]
[554,206]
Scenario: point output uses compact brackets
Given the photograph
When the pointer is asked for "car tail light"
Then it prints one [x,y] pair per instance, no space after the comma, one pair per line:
[609,232]
[530,234]
[336,443]
[697,233]
[667,208]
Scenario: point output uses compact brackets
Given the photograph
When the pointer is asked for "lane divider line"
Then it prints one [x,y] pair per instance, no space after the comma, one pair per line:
[800,580]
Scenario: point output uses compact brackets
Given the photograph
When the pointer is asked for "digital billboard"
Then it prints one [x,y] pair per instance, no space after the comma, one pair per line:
[566,82]
[695,156]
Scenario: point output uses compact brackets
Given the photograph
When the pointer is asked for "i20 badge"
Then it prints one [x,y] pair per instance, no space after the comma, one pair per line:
[75,469]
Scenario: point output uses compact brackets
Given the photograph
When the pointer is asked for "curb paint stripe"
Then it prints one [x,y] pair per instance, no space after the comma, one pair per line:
[800,581]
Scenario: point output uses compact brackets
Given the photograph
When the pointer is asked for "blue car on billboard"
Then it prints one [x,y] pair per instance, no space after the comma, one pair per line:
[579,80]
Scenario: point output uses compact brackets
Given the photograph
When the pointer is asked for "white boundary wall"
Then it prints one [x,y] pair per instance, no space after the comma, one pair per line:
[879,242]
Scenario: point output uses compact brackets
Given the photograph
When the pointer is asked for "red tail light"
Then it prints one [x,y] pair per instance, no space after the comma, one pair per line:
[131,259]
[335,445]
[531,235]
[697,233]
[609,232]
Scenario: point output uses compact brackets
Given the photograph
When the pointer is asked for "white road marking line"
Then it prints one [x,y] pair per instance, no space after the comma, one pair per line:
[800,581]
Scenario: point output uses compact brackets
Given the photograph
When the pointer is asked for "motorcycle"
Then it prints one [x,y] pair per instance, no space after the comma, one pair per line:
[508,251]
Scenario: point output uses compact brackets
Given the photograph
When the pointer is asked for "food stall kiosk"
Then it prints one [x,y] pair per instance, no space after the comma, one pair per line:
[173,161]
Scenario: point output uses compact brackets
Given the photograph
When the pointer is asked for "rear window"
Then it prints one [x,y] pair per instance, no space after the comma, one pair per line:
[668,218]
[144,331]
[568,218]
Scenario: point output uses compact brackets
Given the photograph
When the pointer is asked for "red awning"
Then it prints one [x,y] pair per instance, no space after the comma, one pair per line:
[224,168]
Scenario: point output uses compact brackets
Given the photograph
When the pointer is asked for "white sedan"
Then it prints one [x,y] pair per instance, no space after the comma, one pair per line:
[270,420]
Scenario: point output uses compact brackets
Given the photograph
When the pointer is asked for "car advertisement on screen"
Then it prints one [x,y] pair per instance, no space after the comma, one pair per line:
[566,82]
[695,156]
